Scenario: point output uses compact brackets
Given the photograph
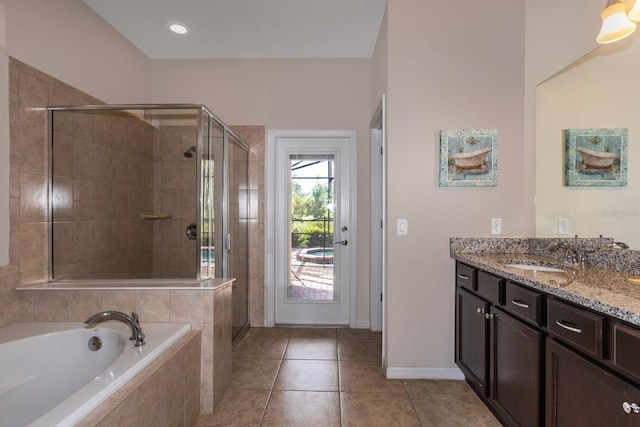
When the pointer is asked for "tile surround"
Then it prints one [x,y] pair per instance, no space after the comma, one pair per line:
[163,394]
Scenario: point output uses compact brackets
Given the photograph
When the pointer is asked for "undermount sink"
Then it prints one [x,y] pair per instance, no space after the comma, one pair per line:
[536,268]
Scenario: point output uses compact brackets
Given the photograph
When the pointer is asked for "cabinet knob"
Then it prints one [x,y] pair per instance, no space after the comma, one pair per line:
[490,315]
[479,310]
[631,407]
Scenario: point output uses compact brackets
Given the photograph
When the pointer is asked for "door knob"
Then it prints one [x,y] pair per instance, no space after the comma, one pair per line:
[341,242]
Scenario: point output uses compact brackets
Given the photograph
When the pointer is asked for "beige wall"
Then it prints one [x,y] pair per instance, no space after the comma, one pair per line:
[579,97]
[69,41]
[451,65]
[302,94]
[557,33]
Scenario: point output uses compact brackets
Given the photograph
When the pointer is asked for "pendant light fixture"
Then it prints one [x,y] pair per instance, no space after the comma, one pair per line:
[634,12]
[615,23]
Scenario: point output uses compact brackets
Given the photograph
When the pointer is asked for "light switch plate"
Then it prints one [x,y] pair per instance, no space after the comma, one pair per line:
[403,227]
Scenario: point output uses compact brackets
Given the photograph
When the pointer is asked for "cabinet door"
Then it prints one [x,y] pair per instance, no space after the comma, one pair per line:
[472,339]
[515,370]
[580,393]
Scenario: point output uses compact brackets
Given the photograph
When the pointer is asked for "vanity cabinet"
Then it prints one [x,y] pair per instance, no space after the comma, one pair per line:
[538,360]
[472,339]
[498,353]
[580,393]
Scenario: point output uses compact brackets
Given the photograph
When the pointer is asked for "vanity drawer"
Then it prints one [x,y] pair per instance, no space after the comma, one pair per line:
[523,302]
[490,287]
[575,326]
[625,349]
[466,276]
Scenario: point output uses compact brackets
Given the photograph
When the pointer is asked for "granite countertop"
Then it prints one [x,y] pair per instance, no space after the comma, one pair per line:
[605,291]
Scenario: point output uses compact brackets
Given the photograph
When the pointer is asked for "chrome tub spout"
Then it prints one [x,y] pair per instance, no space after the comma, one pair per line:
[136,330]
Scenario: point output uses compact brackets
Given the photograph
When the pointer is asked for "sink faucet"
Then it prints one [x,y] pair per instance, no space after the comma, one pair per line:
[136,330]
[569,252]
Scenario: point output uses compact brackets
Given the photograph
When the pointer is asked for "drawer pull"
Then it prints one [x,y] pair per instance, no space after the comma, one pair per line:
[519,303]
[463,277]
[568,326]
[631,407]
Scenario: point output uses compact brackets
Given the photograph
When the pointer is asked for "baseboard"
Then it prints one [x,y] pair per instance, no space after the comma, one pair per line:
[424,373]
[362,324]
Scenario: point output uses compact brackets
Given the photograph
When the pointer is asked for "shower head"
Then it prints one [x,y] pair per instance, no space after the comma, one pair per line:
[190,152]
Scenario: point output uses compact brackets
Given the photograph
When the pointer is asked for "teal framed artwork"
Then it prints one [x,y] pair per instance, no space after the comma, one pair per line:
[596,157]
[469,158]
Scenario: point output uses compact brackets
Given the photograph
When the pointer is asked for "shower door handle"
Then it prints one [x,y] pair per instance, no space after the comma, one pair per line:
[341,242]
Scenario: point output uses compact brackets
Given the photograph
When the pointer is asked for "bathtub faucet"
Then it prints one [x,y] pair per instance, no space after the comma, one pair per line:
[136,330]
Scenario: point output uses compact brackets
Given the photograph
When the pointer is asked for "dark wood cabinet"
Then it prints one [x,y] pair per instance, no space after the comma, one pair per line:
[472,338]
[516,377]
[580,393]
[539,360]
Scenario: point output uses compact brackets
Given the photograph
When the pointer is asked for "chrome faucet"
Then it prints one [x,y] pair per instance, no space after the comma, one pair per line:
[569,252]
[136,330]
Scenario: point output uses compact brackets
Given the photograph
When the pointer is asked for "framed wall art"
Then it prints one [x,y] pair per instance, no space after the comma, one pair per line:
[469,158]
[596,157]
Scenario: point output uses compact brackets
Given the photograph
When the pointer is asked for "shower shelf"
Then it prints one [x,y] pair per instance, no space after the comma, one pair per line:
[156,215]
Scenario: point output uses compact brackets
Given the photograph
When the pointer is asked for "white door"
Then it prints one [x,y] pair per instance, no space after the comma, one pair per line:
[313,234]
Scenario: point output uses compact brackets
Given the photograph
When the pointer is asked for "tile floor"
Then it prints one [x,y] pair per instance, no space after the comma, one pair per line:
[332,377]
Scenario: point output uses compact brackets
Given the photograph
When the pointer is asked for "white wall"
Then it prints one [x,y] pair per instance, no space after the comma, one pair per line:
[302,94]
[451,65]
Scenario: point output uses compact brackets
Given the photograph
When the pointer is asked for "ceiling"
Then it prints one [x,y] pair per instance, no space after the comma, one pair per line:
[247,28]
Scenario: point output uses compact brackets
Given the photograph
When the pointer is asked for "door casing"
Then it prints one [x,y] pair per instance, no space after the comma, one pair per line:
[270,200]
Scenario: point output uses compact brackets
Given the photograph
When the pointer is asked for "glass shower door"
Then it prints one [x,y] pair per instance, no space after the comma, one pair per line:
[238,225]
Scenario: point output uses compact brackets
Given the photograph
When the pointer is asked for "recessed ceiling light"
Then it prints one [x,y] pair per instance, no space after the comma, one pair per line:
[178,27]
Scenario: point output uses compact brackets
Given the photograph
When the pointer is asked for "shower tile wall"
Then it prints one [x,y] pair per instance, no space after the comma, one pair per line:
[29,91]
[174,183]
[102,182]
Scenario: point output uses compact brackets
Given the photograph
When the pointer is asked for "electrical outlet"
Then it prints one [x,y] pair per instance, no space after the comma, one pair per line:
[496,225]
[563,226]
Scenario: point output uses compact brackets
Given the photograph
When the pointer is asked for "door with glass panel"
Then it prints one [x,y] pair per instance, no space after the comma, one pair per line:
[312,231]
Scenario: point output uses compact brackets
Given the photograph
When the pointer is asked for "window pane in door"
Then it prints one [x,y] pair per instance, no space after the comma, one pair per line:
[311,205]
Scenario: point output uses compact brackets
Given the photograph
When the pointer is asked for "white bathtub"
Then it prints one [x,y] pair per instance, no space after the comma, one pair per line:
[49,376]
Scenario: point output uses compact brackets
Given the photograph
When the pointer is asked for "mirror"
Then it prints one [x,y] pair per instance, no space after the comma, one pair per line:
[598,91]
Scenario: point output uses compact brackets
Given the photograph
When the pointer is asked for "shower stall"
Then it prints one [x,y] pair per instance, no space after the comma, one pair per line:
[153,192]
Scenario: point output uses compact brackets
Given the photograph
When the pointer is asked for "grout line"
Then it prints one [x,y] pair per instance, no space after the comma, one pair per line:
[273,384]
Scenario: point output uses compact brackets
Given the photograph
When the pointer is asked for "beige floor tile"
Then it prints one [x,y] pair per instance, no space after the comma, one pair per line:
[237,408]
[268,332]
[366,377]
[358,334]
[419,388]
[312,348]
[454,410]
[320,333]
[377,409]
[369,350]
[254,374]
[303,408]
[307,375]
[261,348]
